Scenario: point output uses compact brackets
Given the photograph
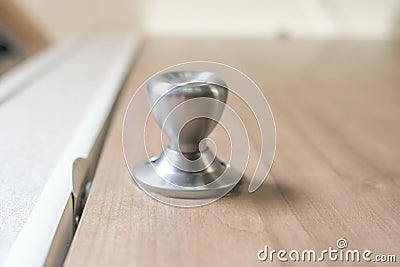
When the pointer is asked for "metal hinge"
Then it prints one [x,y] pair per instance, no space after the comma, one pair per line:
[83,174]
[81,183]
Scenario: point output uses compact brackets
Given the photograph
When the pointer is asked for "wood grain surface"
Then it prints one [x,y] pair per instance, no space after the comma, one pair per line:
[336,172]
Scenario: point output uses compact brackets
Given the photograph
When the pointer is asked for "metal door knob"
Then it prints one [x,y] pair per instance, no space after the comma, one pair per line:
[187,106]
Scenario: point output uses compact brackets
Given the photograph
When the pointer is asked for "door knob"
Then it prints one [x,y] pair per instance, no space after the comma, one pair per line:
[187,106]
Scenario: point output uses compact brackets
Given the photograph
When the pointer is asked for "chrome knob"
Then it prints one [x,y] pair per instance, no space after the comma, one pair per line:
[187,106]
[165,92]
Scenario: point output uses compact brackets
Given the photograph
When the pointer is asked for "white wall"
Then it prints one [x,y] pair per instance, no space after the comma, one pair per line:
[265,18]
[62,18]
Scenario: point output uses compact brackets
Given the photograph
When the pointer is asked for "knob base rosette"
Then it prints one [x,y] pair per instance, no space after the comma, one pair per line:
[158,175]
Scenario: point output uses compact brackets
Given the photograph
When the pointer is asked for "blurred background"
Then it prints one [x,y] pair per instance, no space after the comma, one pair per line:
[380,19]
[26,26]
